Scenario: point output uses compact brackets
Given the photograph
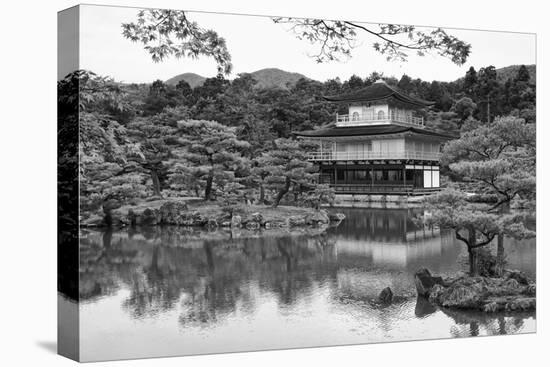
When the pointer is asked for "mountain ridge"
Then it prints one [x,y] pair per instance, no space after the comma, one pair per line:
[278,78]
[266,78]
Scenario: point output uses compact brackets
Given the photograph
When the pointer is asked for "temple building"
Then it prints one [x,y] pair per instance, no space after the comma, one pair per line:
[381,146]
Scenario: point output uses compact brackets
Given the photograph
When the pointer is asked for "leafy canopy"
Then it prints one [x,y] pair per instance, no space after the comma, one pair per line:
[337,39]
[166,33]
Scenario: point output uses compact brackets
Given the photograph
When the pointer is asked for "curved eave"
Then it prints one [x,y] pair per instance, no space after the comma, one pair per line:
[342,132]
[376,93]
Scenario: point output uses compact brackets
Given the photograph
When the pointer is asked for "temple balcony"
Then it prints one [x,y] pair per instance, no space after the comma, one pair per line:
[357,119]
[366,156]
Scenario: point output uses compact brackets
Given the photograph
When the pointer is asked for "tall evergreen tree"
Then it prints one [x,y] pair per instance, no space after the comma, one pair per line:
[470,82]
[487,90]
[501,158]
[289,168]
[212,155]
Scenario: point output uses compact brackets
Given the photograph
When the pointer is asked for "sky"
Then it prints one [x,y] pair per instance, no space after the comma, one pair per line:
[256,42]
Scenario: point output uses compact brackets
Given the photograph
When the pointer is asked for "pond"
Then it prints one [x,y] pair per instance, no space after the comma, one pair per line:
[171,291]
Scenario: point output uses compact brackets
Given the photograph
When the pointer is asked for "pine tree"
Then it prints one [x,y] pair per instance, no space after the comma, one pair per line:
[500,157]
[470,82]
[289,168]
[156,138]
[211,156]
[487,90]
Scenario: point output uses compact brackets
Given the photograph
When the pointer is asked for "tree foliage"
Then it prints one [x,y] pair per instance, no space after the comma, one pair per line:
[212,155]
[166,33]
[288,169]
[500,158]
[336,39]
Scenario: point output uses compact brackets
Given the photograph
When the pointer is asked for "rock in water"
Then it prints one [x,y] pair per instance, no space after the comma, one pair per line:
[424,282]
[386,296]
[336,217]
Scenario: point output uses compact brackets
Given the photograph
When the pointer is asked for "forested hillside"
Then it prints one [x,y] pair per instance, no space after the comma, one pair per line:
[265,78]
[194,80]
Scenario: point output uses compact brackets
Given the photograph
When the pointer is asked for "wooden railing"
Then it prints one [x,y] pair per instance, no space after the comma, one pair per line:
[381,189]
[360,156]
[359,120]
[378,188]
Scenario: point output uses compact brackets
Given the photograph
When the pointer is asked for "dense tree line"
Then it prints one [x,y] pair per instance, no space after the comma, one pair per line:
[153,140]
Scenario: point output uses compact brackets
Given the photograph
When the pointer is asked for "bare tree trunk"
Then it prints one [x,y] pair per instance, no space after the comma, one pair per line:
[472,253]
[282,192]
[499,267]
[208,188]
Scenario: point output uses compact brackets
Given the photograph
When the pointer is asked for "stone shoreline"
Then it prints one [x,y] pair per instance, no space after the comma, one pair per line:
[210,215]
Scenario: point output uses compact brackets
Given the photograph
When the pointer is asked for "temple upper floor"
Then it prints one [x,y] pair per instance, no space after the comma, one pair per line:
[378,114]
[379,104]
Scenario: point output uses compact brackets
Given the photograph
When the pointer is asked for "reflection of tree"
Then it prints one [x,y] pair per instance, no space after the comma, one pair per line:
[209,278]
[100,263]
[473,323]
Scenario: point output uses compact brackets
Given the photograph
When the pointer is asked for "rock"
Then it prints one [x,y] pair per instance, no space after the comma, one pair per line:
[460,297]
[254,218]
[296,220]
[531,290]
[144,217]
[424,282]
[518,276]
[386,296]
[281,223]
[211,223]
[423,307]
[117,218]
[316,218]
[199,220]
[521,304]
[482,293]
[336,217]
[491,307]
[93,220]
[172,212]
[252,225]
[435,292]
[511,284]
[236,221]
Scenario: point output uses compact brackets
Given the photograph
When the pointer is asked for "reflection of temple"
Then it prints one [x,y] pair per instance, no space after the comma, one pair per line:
[208,280]
[390,238]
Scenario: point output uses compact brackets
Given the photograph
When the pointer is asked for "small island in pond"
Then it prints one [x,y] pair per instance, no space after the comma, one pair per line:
[211,215]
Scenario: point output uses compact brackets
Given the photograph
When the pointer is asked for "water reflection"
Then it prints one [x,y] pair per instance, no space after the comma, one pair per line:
[222,291]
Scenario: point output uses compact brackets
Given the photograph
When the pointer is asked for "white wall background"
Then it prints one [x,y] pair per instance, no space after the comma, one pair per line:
[28,184]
